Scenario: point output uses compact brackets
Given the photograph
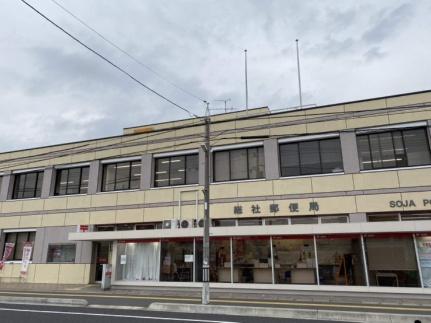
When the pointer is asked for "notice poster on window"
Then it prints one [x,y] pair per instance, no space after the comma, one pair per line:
[26,256]
[7,253]
[424,254]
[188,258]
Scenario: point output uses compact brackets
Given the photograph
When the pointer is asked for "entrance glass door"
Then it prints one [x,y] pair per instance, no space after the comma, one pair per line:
[103,251]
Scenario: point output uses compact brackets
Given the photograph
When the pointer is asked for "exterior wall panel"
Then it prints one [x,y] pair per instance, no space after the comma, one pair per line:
[352,193]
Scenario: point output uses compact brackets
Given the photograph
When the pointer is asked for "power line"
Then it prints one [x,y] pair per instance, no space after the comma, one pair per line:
[110,42]
[70,151]
[109,61]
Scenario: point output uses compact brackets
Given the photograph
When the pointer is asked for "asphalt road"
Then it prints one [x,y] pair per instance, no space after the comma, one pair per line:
[14,313]
[108,299]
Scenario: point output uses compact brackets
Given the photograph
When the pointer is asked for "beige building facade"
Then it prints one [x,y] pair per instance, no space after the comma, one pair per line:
[334,197]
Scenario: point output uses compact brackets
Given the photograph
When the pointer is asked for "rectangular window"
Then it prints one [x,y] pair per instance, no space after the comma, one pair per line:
[239,164]
[311,157]
[400,148]
[340,260]
[121,176]
[71,181]
[224,222]
[140,261]
[294,260]
[61,253]
[19,239]
[176,170]
[177,258]
[252,260]
[392,261]
[27,185]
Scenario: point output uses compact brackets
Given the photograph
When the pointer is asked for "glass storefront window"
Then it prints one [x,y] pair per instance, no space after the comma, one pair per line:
[391,261]
[177,260]
[252,260]
[138,261]
[294,261]
[220,262]
[424,255]
[340,261]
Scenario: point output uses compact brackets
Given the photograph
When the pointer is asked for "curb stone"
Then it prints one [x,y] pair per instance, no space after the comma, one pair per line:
[44,301]
[344,316]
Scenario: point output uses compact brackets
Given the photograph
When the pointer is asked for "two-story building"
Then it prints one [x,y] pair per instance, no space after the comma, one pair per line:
[334,197]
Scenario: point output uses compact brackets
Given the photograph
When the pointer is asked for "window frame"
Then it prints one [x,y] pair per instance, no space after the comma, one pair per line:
[155,168]
[297,143]
[214,180]
[15,188]
[58,172]
[105,166]
[404,154]
[60,262]
[29,233]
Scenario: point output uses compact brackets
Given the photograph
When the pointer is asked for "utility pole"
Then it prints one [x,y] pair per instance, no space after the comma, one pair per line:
[206,191]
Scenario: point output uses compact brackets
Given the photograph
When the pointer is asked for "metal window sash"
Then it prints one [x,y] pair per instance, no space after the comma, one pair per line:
[316,260]
[176,153]
[309,138]
[418,260]
[364,260]
[390,127]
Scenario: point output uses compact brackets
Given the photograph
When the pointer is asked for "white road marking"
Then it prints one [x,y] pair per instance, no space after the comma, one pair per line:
[115,315]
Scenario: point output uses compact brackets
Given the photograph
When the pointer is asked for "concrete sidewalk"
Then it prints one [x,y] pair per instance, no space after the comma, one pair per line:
[286,313]
[315,305]
[228,293]
[251,296]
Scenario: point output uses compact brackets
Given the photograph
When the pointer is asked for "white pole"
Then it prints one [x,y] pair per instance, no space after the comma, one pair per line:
[418,261]
[299,73]
[246,81]
[316,260]
[364,260]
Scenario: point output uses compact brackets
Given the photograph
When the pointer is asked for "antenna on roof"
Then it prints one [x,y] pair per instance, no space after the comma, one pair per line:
[225,103]
[299,73]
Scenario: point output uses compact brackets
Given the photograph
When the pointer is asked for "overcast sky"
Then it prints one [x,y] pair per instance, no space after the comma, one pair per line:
[52,90]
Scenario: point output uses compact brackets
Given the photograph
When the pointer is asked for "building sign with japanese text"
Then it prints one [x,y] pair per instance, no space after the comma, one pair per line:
[275,208]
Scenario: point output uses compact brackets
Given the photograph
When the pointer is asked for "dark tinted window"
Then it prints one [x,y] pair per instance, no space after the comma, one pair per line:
[18,240]
[224,222]
[27,185]
[176,170]
[121,176]
[61,253]
[311,157]
[71,181]
[239,164]
[398,148]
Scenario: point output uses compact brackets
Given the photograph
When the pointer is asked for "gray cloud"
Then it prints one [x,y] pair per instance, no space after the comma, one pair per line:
[374,53]
[52,90]
[388,22]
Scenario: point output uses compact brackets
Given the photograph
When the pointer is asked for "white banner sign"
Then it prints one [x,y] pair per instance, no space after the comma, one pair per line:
[8,250]
[26,256]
